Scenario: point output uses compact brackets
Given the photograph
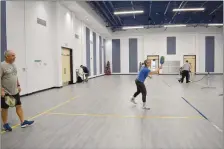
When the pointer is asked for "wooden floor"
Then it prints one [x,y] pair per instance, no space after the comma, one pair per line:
[99,115]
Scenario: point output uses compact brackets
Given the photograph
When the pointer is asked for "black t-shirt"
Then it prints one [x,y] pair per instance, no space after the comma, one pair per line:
[85,69]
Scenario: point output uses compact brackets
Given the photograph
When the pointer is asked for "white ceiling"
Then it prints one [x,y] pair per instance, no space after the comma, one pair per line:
[85,13]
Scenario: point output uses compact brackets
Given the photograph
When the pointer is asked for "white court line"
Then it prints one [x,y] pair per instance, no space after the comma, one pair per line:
[219,129]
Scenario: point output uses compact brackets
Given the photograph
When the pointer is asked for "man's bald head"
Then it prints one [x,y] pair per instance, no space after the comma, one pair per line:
[10,56]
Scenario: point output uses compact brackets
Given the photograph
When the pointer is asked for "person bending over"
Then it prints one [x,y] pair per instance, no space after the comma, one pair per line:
[86,71]
[185,72]
[143,74]
[10,85]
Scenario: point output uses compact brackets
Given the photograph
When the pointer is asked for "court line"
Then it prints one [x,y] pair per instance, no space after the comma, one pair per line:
[44,112]
[166,83]
[219,129]
[125,116]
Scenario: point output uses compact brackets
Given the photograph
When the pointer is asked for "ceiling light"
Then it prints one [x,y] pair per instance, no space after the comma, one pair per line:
[219,24]
[175,25]
[132,27]
[128,12]
[189,9]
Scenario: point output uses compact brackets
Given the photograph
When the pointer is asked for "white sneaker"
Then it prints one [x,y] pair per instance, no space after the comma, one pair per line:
[133,100]
[144,106]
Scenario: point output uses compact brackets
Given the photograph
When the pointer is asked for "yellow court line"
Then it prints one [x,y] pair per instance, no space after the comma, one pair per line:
[126,116]
[45,112]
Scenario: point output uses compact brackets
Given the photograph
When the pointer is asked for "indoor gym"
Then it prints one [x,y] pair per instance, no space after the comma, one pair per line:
[52,39]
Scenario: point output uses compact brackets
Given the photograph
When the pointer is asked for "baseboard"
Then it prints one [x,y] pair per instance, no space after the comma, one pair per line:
[43,90]
[91,77]
[56,87]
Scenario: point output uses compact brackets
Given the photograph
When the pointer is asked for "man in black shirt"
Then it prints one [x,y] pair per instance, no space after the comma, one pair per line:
[86,71]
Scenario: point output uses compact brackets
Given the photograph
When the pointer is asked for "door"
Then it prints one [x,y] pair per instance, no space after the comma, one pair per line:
[154,61]
[192,61]
[66,68]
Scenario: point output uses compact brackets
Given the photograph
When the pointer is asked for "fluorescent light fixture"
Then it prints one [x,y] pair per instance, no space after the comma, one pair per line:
[175,25]
[189,9]
[219,24]
[128,12]
[132,27]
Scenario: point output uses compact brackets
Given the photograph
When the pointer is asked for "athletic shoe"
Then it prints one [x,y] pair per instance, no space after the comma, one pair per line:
[26,123]
[133,100]
[144,107]
[7,127]
[180,81]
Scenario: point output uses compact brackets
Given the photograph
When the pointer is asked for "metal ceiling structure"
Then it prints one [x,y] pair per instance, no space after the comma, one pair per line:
[157,13]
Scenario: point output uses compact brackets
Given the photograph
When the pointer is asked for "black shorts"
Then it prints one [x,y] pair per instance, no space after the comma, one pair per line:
[5,106]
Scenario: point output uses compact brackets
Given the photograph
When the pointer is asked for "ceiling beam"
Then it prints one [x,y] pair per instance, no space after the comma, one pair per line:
[162,26]
[98,12]
[203,3]
[182,7]
[110,12]
[150,10]
[108,18]
[176,12]
[216,9]
[167,7]
[112,6]
[189,19]
[133,9]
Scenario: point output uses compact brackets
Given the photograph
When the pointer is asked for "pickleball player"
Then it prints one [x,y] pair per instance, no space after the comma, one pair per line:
[10,85]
